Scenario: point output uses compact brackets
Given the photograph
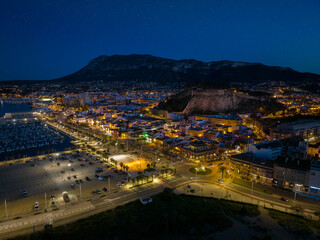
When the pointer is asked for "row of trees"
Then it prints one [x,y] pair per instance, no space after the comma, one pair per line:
[121,164]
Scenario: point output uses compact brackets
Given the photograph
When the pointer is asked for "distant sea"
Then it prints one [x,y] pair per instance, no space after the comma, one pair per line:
[13,107]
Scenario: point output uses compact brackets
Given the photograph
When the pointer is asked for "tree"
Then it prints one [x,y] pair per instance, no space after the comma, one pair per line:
[221,170]
[127,168]
[148,165]
[133,180]
[166,171]
[121,165]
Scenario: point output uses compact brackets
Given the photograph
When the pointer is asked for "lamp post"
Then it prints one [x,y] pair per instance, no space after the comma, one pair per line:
[5,205]
[69,164]
[196,174]
[251,188]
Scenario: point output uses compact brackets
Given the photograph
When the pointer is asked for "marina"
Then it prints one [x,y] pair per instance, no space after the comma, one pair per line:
[29,137]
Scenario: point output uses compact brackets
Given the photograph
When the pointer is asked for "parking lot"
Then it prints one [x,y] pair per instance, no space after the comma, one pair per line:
[52,176]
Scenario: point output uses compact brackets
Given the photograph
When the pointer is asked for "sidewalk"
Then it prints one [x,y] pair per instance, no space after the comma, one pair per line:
[235,195]
[45,217]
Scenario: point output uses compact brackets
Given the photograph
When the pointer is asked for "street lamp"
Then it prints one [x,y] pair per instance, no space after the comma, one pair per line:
[69,164]
[116,147]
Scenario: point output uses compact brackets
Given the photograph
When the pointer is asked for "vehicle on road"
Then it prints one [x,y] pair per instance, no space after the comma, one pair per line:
[62,171]
[52,197]
[98,191]
[36,206]
[119,184]
[82,165]
[192,178]
[284,199]
[219,164]
[58,163]
[72,185]
[72,169]
[220,181]
[105,189]
[100,178]
[80,180]
[87,178]
[69,177]
[77,181]
[74,176]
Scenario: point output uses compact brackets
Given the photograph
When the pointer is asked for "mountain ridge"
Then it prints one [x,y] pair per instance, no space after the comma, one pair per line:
[144,67]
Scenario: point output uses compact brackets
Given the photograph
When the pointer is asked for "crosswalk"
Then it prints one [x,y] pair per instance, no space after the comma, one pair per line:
[175,181]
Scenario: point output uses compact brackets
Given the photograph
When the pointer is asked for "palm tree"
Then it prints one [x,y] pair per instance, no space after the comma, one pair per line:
[166,171]
[133,180]
[127,168]
[221,170]
[116,163]
[121,165]
[138,179]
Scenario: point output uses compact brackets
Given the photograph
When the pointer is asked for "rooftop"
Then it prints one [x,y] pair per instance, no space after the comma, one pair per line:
[222,116]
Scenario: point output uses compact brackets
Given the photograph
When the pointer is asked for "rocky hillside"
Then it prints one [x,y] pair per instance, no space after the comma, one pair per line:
[217,101]
[149,68]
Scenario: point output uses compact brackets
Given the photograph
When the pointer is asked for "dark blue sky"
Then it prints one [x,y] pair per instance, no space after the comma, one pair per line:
[45,39]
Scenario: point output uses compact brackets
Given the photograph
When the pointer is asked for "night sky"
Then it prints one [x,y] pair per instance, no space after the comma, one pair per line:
[45,39]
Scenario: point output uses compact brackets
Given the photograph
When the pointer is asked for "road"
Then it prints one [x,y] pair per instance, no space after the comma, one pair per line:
[77,211]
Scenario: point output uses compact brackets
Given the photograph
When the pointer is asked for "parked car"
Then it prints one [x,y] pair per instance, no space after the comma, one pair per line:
[62,171]
[87,178]
[25,193]
[72,169]
[74,176]
[36,206]
[284,199]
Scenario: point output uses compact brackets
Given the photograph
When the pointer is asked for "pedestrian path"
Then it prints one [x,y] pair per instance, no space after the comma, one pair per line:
[45,217]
